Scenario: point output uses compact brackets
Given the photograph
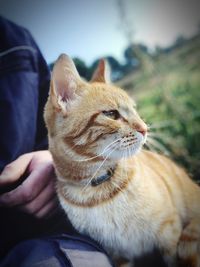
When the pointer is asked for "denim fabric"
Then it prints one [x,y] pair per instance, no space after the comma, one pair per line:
[57,251]
[24,86]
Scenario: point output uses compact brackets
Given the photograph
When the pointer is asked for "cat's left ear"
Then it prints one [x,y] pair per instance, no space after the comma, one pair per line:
[65,82]
[102,72]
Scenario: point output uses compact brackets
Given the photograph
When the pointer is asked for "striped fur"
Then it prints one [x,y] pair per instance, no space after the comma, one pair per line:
[148,202]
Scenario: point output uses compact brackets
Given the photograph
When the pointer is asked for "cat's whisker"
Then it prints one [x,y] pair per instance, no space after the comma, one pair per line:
[116,185]
[76,144]
[126,172]
[101,165]
[120,174]
[129,151]
[150,147]
[123,159]
[161,136]
[157,135]
[158,146]
[98,169]
[154,134]
[104,151]
[160,125]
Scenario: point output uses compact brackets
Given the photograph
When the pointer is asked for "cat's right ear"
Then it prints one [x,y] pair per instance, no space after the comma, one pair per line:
[102,72]
[64,82]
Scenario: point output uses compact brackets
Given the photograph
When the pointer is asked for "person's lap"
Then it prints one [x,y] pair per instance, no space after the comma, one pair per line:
[57,251]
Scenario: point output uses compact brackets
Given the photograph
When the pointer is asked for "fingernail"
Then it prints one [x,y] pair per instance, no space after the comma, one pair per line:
[4,173]
[3,178]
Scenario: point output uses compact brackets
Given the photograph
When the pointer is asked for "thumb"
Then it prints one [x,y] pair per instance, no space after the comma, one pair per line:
[14,170]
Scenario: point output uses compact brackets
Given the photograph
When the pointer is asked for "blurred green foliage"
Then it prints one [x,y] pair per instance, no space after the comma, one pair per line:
[168,98]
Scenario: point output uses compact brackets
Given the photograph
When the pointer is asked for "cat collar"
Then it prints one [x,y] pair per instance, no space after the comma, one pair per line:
[101,179]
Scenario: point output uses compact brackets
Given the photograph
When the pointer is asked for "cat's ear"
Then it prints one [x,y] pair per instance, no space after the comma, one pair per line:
[102,72]
[64,82]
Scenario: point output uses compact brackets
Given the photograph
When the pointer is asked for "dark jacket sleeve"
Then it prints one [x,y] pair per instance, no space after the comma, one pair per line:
[24,86]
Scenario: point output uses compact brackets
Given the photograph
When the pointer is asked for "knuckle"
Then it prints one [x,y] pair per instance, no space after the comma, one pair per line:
[48,166]
[27,195]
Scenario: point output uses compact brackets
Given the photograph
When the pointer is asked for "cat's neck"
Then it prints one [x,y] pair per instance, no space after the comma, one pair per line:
[83,172]
[77,192]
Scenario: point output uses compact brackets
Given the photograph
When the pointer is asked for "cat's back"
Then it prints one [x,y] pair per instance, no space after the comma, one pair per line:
[165,168]
[182,190]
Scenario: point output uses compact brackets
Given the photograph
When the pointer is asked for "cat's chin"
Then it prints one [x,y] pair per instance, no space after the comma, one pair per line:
[126,153]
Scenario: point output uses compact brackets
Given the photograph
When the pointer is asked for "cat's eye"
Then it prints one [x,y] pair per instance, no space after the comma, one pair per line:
[112,114]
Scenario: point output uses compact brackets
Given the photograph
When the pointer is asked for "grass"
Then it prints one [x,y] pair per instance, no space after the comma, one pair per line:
[168,98]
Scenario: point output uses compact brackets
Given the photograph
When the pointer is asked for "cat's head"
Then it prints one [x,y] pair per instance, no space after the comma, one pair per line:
[87,119]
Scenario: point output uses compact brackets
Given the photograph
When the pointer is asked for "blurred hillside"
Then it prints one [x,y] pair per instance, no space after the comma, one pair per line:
[166,87]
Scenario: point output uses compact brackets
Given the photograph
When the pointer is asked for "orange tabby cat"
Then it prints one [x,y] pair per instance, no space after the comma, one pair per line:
[128,199]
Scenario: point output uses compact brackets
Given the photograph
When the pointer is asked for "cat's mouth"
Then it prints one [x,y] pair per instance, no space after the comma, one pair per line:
[131,146]
[128,146]
[130,141]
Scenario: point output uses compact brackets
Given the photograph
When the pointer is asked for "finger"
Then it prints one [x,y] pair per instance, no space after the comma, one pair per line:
[13,171]
[30,188]
[48,210]
[46,196]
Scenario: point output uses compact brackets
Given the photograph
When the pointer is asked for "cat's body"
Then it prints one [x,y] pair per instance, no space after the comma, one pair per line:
[146,202]
[141,215]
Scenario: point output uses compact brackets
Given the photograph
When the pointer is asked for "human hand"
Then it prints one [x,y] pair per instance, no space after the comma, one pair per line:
[36,195]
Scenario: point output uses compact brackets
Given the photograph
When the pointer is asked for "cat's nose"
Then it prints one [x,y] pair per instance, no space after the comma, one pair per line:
[141,128]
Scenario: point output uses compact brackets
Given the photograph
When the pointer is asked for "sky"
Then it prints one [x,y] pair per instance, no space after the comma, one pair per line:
[91,29]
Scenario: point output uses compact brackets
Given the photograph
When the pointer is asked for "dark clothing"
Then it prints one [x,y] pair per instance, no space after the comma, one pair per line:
[24,86]
[57,251]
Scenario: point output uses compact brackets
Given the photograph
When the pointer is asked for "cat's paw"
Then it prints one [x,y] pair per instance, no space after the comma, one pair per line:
[189,246]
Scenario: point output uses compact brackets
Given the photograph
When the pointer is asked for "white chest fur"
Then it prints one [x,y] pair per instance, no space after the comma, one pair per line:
[118,225]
